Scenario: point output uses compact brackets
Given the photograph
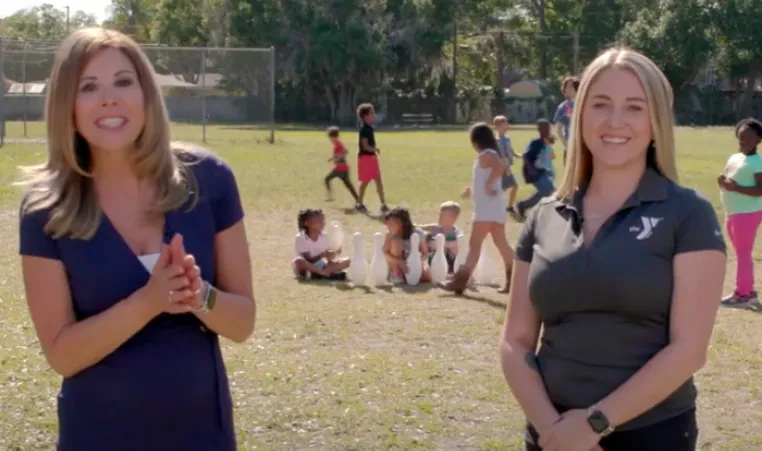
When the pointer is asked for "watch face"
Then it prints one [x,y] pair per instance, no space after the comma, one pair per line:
[598,422]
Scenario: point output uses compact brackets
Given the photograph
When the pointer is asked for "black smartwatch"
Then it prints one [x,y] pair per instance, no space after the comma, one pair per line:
[598,422]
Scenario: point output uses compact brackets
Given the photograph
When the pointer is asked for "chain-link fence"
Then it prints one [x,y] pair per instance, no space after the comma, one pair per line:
[212,94]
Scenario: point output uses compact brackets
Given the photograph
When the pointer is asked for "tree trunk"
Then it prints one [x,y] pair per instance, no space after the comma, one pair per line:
[542,42]
[500,66]
[332,103]
[346,107]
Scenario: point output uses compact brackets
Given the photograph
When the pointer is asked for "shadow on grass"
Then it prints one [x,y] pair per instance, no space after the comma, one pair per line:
[351,287]
[475,298]
[413,289]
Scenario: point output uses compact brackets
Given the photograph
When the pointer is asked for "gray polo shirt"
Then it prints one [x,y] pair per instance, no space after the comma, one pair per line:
[605,308]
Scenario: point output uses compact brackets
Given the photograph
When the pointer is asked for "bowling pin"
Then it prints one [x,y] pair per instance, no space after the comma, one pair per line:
[439,262]
[335,235]
[460,257]
[379,268]
[358,268]
[414,264]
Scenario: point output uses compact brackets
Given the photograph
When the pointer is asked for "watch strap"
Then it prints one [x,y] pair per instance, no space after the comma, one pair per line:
[209,297]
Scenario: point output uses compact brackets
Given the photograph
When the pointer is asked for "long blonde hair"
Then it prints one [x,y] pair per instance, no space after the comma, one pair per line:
[64,183]
[659,96]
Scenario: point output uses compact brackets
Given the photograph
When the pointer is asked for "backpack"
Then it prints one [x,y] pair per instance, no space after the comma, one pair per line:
[529,169]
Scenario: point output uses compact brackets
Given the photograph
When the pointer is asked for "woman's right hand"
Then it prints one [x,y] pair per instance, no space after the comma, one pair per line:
[168,283]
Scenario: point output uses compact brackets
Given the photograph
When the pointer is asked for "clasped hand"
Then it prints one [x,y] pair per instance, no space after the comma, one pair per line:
[726,183]
[175,283]
[571,432]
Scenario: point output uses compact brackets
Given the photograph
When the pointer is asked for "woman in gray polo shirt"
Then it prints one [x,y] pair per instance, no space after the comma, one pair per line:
[622,269]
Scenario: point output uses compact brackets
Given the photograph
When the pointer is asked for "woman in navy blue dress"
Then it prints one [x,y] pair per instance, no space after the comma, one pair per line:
[135,260]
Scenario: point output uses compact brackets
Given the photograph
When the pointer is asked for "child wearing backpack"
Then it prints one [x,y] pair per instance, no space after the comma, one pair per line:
[538,168]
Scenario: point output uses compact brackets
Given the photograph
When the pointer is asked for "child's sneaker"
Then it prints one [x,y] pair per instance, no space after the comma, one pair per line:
[384,209]
[736,300]
[396,276]
[361,208]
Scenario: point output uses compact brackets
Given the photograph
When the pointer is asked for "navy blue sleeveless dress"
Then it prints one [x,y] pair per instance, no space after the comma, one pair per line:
[166,388]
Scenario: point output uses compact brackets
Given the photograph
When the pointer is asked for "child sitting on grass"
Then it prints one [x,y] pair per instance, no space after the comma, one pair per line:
[397,245]
[313,258]
[448,215]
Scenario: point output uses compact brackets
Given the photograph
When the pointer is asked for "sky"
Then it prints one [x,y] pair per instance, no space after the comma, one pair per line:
[95,7]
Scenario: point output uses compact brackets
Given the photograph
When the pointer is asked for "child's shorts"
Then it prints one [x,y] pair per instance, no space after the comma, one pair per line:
[368,168]
[508,181]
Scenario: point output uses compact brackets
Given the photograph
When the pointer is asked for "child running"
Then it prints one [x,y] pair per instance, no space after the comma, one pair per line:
[397,245]
[500,123]
[368,169]
[448,215]
[538,168]
[340,167]
[489,208]
[741,187]
[565,110]
[313,258]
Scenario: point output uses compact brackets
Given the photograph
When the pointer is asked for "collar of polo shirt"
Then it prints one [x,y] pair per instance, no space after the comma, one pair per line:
[652,188]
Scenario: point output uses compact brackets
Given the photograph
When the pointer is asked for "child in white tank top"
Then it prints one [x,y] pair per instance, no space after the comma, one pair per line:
[489,208]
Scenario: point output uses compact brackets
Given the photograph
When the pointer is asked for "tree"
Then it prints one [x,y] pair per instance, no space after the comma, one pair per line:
[32,35]
[738,24]
[133,17]
[181,23]
[676,35]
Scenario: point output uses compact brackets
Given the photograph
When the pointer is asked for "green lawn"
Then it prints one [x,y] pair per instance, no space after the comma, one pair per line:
[339,368]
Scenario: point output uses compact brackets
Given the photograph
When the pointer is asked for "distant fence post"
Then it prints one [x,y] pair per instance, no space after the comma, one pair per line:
[2,96]
[24,81]
[272,95]
[203,96]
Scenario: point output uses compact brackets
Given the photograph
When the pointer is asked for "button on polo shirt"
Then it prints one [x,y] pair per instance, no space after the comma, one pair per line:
[605,308]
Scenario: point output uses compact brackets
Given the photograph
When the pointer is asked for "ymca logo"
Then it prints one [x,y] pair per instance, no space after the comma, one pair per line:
[647,228]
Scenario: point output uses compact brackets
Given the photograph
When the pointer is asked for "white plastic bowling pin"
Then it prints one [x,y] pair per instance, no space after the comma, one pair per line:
[460,257]
[335,235]
[379,268]
[414,264]
[439,262]
[358,268]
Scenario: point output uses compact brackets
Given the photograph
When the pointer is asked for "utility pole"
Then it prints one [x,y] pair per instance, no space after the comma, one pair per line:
[67,19]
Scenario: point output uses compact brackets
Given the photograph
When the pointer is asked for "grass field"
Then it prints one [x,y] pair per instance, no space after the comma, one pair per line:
[339,368]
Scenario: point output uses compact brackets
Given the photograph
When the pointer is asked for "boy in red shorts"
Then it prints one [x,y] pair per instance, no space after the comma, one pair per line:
[368,169]
[340,166]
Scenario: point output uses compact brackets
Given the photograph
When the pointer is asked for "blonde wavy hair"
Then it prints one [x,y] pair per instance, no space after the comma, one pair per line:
[64,183]
[661,154]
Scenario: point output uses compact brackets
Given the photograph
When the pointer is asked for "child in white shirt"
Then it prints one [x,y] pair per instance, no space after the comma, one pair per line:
[313,257]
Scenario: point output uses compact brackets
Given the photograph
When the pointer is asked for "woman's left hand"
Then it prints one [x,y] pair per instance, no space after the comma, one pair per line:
[193,273]
[571,433]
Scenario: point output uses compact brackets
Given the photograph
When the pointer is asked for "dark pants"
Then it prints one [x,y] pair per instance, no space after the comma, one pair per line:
[544,187]
[344,177]
[678,433]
